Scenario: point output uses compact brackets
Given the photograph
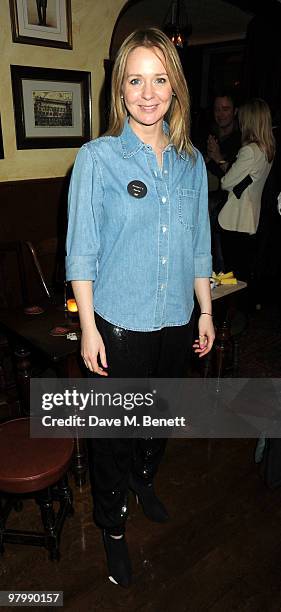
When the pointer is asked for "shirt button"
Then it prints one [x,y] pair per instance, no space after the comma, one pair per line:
[165,171]
[162,287]
[164,228]
[163,260]
[164,200]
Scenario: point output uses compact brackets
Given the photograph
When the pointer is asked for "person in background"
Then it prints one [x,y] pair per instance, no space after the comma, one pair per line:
[220,151]
[267,259]
[279,203]
[42,11]
[138,246]
[224,139]
[244,182]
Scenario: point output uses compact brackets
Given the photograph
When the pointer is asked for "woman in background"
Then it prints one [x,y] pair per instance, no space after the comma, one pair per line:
[245,180]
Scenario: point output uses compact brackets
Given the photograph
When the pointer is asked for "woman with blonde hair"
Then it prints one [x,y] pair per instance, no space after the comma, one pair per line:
[138,246]
[244,182]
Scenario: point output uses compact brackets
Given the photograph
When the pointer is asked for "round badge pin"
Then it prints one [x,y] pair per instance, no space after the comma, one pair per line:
[137,189]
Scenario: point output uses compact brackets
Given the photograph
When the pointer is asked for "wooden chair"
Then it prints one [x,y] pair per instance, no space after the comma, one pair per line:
[34,467]
[47,260]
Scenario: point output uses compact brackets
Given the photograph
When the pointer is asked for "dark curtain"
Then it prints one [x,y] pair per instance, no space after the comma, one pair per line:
[262,67]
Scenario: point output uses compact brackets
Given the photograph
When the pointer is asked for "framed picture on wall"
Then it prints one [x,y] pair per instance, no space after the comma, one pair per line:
[52,107]
[42,22]
[1,143]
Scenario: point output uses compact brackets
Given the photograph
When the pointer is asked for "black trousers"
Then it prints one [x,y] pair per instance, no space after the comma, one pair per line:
[216,201]
[159,354]
[239,252]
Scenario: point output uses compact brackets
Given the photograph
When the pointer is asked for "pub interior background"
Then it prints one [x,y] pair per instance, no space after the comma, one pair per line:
[233,45]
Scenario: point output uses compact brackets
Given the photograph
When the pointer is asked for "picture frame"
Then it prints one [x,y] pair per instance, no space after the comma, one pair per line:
[1,143]
[52,107]
[42,22]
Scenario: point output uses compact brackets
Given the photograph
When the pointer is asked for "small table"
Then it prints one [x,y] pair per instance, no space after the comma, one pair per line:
[224,290]
[223,298]
[30,334]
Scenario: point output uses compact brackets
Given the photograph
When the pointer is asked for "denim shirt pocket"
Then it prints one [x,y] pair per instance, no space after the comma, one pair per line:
[188,200]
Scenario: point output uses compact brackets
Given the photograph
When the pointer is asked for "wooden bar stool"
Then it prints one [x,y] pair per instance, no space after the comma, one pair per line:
[34,467]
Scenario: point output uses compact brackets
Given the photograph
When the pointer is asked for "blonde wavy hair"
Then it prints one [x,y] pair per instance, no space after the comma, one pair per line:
[255,124]
[178,115]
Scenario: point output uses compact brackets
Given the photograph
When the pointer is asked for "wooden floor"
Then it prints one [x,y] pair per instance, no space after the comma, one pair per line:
[221,550]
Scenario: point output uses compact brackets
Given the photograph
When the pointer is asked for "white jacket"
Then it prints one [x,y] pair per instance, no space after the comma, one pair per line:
[242,215]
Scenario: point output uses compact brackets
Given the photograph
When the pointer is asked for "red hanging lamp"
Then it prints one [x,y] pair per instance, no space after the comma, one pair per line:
[176,24]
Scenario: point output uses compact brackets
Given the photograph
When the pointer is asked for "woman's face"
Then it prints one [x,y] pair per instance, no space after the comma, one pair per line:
[146,87]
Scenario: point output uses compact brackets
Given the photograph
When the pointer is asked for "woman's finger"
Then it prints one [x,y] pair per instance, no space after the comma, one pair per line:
[103,356]
[88,364]
[97,369]
[203,344]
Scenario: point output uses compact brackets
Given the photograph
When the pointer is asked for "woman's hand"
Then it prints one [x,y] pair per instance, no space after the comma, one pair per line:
[213,149]
[91,346]
[91,341]
[204,343]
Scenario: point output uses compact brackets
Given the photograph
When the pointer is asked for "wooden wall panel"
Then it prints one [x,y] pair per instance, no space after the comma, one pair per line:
[33,210]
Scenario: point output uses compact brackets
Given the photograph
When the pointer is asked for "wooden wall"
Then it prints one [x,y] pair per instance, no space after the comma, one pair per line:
[32,210]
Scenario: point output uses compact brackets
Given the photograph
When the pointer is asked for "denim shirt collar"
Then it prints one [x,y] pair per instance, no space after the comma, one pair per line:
[132,144]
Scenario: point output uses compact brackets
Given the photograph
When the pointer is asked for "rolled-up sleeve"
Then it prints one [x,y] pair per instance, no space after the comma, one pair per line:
[84,217]
[202,236]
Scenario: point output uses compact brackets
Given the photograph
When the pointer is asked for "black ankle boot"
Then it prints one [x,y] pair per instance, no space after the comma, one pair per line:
[118,560]
[151,505]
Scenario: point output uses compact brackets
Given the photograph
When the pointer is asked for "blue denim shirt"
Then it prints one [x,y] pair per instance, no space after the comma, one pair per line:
[142,253]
